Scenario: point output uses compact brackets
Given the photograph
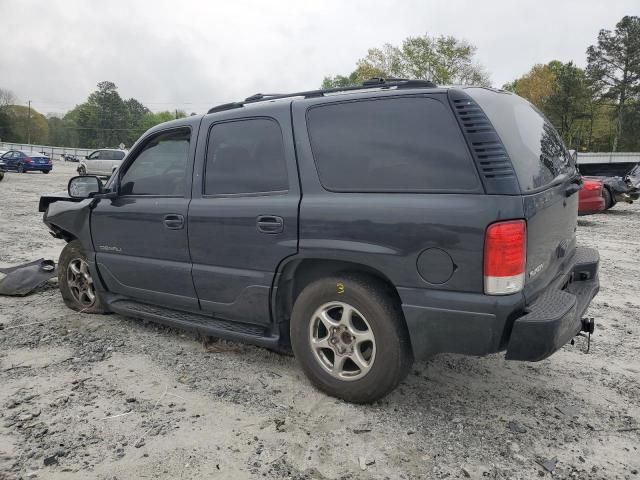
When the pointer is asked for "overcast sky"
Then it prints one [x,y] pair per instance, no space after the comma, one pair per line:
[192,55]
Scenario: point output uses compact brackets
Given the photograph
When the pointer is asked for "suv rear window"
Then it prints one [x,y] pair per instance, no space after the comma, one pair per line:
[406,144]
[534,146]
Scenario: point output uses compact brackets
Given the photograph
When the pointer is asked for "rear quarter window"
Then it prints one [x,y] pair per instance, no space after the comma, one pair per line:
[537,151]
[400,144]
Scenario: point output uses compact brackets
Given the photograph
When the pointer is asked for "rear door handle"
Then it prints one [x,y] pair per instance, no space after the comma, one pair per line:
[174,221]
[270,224]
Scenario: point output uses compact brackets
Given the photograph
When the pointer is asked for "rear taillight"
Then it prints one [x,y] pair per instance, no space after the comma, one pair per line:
[592,186]
[505,257]
[28,160]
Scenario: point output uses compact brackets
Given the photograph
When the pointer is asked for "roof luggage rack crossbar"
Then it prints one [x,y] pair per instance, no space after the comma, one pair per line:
[375,82]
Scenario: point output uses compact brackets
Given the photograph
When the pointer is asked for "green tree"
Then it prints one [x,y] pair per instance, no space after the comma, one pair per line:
[27,125]
[613,64]
[135,120]
[444,60]
[7,98]
[569,103]
[537,85]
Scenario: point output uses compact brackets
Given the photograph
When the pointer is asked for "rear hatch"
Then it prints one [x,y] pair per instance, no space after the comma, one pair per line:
[548,179]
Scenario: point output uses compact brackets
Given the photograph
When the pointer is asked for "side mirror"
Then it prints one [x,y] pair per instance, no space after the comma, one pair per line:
[84,187]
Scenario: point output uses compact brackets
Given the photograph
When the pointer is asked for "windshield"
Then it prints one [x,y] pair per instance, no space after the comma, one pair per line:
[534,146]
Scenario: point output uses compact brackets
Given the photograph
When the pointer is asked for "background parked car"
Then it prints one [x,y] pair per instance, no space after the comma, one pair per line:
[69,158]
[101,162]
[617,189]
[591,199]
[23,161]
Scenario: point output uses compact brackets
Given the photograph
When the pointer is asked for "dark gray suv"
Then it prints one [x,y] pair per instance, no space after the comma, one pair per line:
[361,228]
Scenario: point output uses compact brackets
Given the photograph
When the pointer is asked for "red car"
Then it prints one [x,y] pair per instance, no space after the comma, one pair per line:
[591,200]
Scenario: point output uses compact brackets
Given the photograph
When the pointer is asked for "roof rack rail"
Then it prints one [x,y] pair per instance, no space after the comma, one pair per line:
[375,82]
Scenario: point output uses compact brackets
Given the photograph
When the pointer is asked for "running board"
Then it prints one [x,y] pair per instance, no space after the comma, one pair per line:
[242,332]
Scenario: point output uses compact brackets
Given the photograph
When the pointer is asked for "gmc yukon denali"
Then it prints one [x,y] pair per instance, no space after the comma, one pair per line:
[360,228]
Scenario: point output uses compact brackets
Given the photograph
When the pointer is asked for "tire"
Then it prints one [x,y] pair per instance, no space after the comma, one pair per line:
[385,360]
[608,199]
[46,171]
[82,170]
[74,286]
[20,168]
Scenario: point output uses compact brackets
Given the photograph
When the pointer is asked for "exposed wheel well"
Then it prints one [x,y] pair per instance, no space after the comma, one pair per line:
[62,234]
[297,274]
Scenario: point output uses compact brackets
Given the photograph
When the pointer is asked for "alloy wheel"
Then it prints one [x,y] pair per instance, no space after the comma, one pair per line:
[342,341]
[80,282]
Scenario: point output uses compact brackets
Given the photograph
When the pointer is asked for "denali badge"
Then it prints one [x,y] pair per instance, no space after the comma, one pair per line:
[536,270]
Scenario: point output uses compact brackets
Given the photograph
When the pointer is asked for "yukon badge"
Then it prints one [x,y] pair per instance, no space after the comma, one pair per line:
[108,248]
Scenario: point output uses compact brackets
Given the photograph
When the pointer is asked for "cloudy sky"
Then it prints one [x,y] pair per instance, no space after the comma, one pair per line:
[192,55]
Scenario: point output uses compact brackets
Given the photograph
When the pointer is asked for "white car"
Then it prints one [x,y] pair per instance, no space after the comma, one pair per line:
[102,162]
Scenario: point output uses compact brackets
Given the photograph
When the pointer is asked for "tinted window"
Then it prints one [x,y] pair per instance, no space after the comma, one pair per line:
[117,155]
[536,150]
[159,169]
[94,156]
[245,157]
[396,144]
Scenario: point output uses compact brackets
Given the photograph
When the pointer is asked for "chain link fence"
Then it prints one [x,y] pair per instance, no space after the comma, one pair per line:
[55,153]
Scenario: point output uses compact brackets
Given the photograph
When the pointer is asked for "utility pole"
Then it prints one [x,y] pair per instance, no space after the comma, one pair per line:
[29,125]
[176,113]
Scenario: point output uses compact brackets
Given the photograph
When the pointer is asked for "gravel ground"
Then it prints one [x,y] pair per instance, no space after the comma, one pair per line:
[108,397]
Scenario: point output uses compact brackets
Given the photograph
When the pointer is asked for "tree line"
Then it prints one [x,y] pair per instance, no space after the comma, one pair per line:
[103,120]
[594,109]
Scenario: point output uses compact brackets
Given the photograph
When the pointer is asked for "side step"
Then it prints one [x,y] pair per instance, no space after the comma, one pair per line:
[242,332]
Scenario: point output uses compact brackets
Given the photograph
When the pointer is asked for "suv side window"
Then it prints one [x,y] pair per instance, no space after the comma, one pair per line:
[245,156]
[401,144]
[94,156]
[159,168]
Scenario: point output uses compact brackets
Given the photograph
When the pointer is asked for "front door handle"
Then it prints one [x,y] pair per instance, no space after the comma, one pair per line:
[270,224]
[174,221]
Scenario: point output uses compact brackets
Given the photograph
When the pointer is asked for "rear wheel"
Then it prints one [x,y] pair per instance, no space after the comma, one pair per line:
[46,171]
[349,336]
[608,199]
[75,281]
[20,168]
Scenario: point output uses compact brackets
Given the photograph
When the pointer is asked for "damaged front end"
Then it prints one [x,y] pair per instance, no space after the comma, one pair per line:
[622,189]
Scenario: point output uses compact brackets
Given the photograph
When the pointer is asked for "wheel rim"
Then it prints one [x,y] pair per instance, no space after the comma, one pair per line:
[80,282]
[342,341]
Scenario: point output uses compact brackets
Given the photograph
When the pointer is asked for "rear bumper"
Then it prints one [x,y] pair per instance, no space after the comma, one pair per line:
[37,167]
[476,324]
[591,205]
[556,316]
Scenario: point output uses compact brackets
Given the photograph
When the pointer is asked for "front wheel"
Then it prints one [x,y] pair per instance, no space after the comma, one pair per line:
[75,281]
[350,338]
[82,170]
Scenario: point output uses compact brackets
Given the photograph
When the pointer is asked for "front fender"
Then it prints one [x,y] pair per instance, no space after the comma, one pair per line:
[69,220]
